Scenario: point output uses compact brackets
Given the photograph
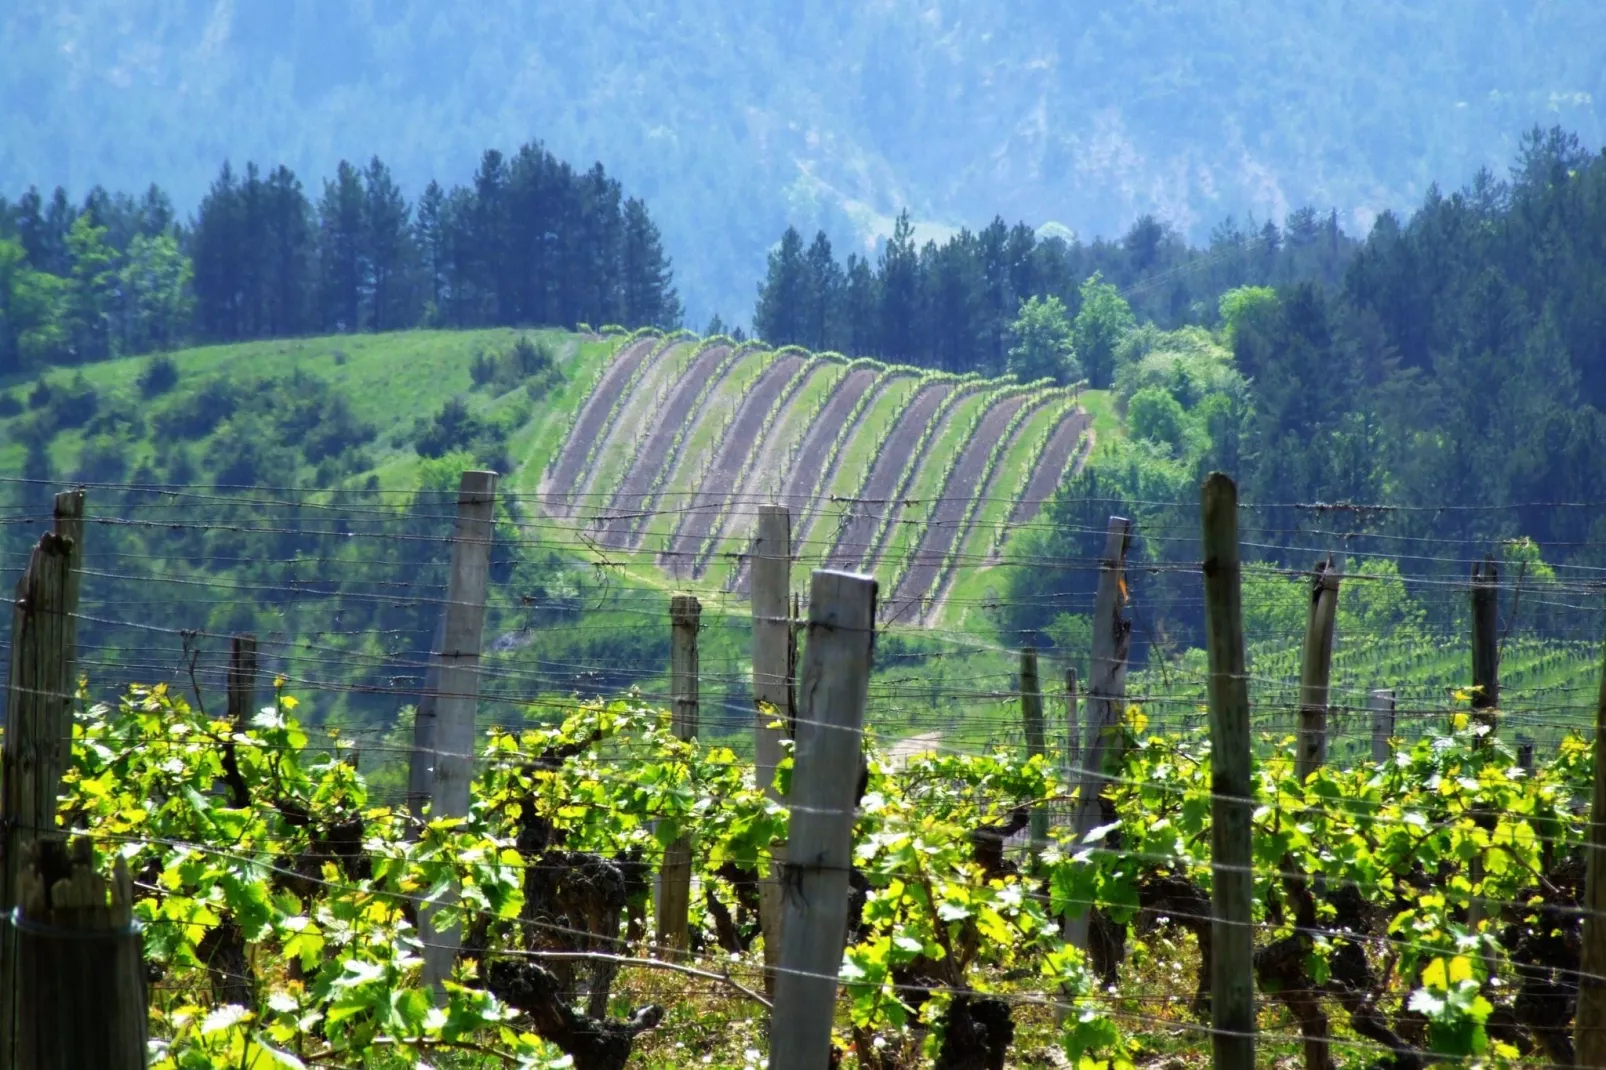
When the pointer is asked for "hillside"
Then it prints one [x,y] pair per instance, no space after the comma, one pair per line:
[733,120]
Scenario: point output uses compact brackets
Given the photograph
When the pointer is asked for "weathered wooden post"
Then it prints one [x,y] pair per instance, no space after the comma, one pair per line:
[1589,1025]
[38,733]
[674,875]
[1382,724]
[1106,702]
[242,679]
[1232,992]
[1316,670]
[1031,710]
[1486,644]
[774,673]
[459,685]
[1073,731]
[80,983]
[827,756]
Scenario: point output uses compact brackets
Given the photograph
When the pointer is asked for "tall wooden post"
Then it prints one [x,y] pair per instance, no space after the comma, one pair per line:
[1486,643]
[1316,670]
[1232,994]
[830,726]
[774,669]
[1589,1025]
[1382,724]
[38,732]
[459,691]
[674,875]
[1106,701]
[1031,711]
[1073,731]
[80,991]
[421,772]
[242,679]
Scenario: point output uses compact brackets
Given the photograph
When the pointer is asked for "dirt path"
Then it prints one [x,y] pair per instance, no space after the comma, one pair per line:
[863,519]
[558,491]
[731,455]
[1050,467]
[634,489]
[800,481]
[991,490]
[902,751]
[942,522]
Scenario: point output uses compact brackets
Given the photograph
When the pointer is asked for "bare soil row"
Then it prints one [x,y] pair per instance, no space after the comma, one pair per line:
[741,437]
[636,488]
[1051,465]
[948,512]
[568,475]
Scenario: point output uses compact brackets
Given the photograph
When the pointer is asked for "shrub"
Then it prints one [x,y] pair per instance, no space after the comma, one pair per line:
[1155,415]
[482,369]
[159,375]
[10,405]
[527,361]
[197,414]
[102,460]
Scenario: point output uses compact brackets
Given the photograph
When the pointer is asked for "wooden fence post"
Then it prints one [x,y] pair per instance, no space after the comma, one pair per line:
[1382,724]
[774,669]
[674,874]
[38,731]
[1031,710]
[1486,644]
[242,679]
[81,996]
[1106,702]
[1316,670]
[830,726]
[1073,731]
[421,771]
[1232,992]
[459,692]
[1589,1025]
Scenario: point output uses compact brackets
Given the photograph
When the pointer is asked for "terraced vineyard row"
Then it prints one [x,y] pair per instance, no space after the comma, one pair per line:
[909,474]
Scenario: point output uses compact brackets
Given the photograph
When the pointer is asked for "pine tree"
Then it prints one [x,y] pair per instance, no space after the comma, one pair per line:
[781,317]
[647,288]
[429,237]
[825,281]
[214,248]
[342,259]
[389,246]
[289,254]
[900,293]
[861,309]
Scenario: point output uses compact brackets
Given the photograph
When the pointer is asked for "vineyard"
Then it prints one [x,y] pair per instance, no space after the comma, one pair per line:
[1047,879]
[894,471]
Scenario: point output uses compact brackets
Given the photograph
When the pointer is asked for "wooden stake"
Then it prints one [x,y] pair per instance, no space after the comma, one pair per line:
[774,668]
[36,746]
[1589,1038]
[1073,731]
[1031,710]
[1232,994]
[1316,670]
[1486,644]
[81,998]
[674,877]
[1106,702]
[459,677]
[814,915]
[421,773]
[242,679]
[1382,724]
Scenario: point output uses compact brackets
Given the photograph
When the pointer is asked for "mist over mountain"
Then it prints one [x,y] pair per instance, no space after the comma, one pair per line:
[733,120]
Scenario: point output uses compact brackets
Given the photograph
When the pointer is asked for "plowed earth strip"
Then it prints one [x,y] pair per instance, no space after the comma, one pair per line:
[636,486]
[942,522]
[863,518]
[801,480]
[730,460]
[560,497]
[993,489]
[636,410]
[1050,468]
[741,508]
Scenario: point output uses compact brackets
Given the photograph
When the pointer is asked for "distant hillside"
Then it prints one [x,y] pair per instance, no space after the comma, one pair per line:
[732,120]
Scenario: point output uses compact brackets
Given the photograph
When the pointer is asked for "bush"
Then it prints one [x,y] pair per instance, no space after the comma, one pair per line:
[482,369]
[102,460]
[197,414]
[159,375]
[527,361]
[1155,415]
[10,405]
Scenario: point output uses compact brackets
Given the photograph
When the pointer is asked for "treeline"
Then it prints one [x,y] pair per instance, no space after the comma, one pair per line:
[1453,381]
[954,305]
[529,241]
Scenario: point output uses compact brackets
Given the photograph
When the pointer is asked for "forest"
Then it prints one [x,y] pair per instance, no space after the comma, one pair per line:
[530,241]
